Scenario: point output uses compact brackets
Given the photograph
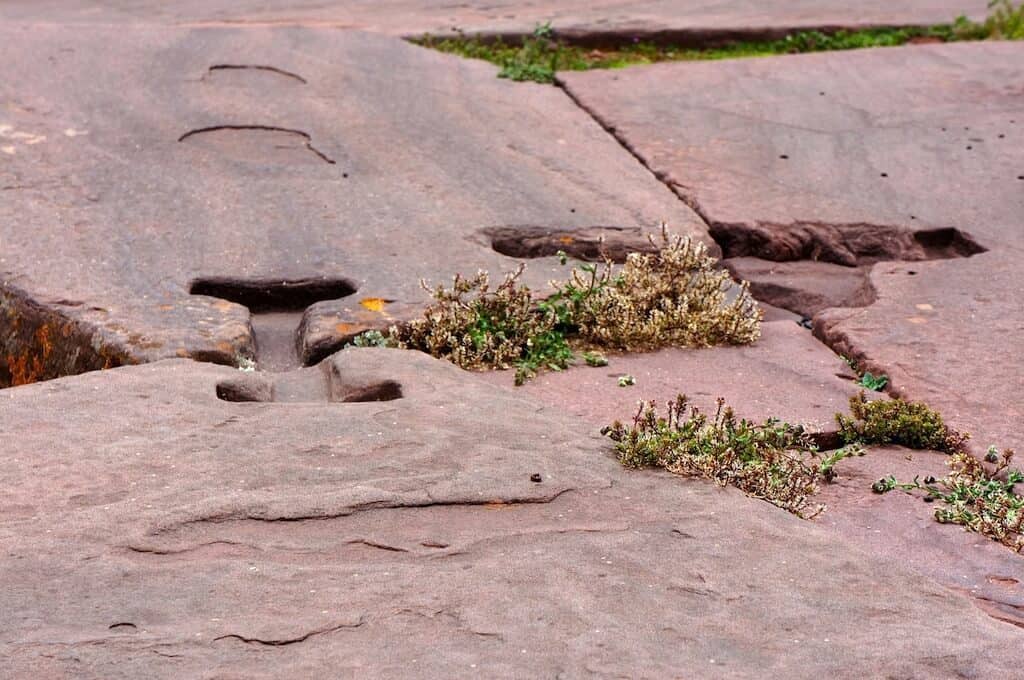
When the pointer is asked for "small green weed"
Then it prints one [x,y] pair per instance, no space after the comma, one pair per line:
[774,461]
[979,500]
[873,382]
[626,380]
[371,339]
[595,359]
[540,56]
[896,421]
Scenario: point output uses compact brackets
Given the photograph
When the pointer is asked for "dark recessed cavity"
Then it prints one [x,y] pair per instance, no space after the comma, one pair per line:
[946,243]
[243,391]
[387,390]
[582,244]
[274,295]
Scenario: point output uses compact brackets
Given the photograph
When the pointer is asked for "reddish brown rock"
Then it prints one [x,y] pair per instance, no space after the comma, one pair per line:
[787,374]
[949,333]
[804,287]
[803,157]
[613,20]
[234,165]
[152,529]
[903,525]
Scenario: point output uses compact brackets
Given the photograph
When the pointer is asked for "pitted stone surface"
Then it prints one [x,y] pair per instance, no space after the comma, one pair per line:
[600,19]
[407,539]
[278,154]
[806,153]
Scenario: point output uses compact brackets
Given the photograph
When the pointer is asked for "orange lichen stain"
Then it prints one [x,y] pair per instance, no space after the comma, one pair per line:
[225,347]
[165,308]
[223,306]
[182,352]
[566,240]
[498,505]
[917,319]
[349,328]
[374,304]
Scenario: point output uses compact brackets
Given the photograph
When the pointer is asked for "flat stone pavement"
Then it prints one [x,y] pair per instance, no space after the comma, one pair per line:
[227,192]
[596,20]
[277,168]
[912,157]
[152,529]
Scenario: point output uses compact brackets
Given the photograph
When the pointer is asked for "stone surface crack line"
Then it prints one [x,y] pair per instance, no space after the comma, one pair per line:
[289,641]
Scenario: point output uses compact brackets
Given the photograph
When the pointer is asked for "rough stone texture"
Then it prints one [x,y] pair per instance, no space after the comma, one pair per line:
[804,286]
[151,529]
[268,155]
[897,523]
[906,139]
[948,333]
[582,19]
[924,142]
[786,374]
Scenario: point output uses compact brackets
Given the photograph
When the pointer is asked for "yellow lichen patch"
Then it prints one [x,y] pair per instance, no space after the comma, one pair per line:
[344,328]
[374,304]
[566,240]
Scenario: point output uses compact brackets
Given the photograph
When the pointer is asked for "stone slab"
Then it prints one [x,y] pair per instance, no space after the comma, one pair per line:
[153,529]
[787,374]
[949,333]
[582,19]
[343,164]
[815,149]
[908,153]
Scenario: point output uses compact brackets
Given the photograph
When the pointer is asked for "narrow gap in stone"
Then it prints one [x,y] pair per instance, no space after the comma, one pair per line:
[257,67]
[276,309]
[589,244]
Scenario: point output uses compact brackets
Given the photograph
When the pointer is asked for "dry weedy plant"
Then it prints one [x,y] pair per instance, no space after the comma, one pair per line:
[974,497]
[675,296]
[907,423]
[774,461]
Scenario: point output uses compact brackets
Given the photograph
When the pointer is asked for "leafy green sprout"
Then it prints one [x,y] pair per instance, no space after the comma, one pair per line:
[626,380]
[595,359]
[873,382]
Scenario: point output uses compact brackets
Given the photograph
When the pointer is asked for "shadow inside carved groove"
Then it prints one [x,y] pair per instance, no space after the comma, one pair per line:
[387,390]
[582,244]
[273,295]
[244,391]
[258,68]
[947,243]
[848,244]
[304,386]
[258,144]
[275,308]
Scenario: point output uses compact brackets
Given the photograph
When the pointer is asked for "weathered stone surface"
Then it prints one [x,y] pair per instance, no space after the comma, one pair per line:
[787,374]
[597,21]
[152,529]
[797,157]
[949,333]
[274,167]
[808,158]
[897,523]
[803,286]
